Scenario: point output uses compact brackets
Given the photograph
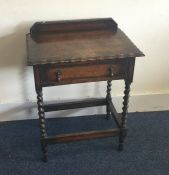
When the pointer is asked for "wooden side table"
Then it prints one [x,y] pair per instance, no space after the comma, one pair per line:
[79,51]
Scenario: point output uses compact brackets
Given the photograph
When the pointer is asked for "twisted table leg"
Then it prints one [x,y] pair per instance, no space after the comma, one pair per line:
[108,97]
[124,115]
[42,123]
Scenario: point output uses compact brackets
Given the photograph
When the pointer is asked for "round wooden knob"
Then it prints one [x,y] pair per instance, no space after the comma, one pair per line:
[58,75]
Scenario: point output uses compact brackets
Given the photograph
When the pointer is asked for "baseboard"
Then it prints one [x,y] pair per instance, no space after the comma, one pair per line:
[138,103]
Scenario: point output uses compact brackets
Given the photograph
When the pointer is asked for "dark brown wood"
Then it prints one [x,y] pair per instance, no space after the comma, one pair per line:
[40,30]
[75,104]
[108,99]
[80,80]
[38,82]
[42,123]
[116,116]
[60,47]
[124,115]
[131,70]
[58,75]
[82,136]
[80,51]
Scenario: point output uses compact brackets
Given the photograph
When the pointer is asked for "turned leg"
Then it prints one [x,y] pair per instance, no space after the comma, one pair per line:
[42,123]
[108,98]
[124,115]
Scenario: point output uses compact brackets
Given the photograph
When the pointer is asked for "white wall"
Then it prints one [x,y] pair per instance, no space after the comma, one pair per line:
[145,22]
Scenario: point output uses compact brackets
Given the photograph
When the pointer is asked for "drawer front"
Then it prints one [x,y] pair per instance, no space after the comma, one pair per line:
[83,73]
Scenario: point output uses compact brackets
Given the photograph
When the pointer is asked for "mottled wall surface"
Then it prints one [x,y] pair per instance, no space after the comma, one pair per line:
[145,22]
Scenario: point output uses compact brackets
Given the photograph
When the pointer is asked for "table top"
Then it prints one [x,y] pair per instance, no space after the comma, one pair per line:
[78,41]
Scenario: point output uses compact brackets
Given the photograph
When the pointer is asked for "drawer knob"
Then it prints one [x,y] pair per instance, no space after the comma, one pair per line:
[111,72]
[58,75]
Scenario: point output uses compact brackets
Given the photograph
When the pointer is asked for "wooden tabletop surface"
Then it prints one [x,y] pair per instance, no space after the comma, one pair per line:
[80,45]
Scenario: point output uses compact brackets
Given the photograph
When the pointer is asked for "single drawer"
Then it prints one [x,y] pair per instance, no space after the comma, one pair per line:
[82,73]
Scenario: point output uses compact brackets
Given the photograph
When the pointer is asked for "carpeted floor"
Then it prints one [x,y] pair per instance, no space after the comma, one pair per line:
[146,147]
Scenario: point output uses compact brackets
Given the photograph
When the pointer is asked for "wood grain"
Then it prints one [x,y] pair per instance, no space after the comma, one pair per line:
[69,43]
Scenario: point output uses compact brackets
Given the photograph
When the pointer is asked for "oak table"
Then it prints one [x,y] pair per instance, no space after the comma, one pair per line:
[79,51]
